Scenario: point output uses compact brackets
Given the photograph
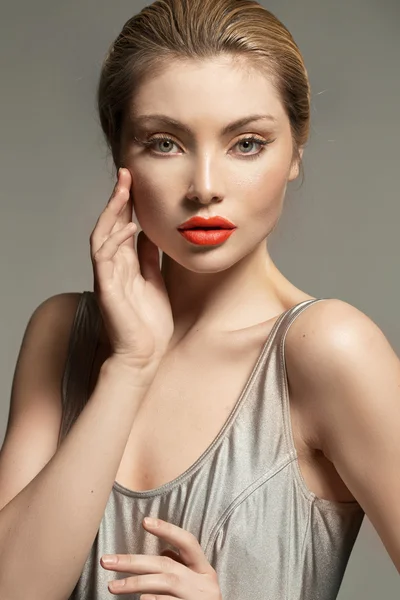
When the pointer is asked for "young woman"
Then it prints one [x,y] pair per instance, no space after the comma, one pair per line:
[256,422]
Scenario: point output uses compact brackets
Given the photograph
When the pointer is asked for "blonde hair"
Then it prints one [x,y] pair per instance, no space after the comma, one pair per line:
[168,30]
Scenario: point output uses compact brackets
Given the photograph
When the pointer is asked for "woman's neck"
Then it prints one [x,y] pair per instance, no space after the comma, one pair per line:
[251,291]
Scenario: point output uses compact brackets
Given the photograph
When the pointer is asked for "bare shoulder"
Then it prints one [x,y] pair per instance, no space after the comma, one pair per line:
[60,307]
[328,324]
[344,381]
[328,346]
[35,411]
[51,321]
[45,341]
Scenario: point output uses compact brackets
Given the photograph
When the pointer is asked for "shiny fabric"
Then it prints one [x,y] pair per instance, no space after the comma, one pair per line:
[245,500]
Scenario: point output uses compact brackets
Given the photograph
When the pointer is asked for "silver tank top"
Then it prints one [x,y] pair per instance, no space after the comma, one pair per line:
[265,533]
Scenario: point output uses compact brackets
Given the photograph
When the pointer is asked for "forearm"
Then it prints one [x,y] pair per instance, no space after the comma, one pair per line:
[47,530]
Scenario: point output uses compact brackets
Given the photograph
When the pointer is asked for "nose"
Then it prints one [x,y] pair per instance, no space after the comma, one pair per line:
[206,182]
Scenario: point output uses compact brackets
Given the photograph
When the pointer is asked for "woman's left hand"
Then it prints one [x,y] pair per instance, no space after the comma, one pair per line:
[187,576]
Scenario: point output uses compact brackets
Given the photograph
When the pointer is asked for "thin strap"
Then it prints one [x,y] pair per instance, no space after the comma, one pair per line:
[290,317]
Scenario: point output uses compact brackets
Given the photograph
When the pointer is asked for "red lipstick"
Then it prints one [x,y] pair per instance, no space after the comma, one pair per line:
[206,232]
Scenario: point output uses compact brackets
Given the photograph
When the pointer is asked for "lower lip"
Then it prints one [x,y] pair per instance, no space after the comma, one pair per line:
[206,237]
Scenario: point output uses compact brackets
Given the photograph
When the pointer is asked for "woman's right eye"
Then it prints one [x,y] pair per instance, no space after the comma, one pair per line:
[152,143]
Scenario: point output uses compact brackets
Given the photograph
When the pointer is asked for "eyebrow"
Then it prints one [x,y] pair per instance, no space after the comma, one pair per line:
[163,119]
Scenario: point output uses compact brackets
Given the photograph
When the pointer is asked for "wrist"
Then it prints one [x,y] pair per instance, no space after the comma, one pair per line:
[137,374]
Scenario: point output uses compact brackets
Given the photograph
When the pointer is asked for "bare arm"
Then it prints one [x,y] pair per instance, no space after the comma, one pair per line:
[347,378]
[48,528]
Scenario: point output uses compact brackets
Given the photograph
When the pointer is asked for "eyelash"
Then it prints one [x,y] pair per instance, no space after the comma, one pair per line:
[150,143]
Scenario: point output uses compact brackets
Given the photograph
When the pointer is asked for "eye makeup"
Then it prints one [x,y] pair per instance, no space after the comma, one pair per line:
[149,144]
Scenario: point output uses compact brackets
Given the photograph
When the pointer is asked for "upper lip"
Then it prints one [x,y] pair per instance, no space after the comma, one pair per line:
[216,221]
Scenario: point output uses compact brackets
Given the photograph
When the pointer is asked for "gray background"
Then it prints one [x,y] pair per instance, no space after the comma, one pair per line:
[338,236]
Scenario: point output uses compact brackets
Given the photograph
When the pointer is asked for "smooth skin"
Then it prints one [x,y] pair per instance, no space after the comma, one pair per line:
[131,291]
[343,374]
[139,324]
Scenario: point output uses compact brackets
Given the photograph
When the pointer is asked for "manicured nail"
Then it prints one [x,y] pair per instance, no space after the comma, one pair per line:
[109,559]
[117,584]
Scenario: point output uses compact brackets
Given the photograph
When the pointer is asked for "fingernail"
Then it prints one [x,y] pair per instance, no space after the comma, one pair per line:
[151,522]
[109,559]
[118,583]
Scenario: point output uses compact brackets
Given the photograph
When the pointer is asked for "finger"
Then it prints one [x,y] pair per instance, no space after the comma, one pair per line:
[125,180]
[189,548]
[110,247]
[174,555]
[157,597]
[144,564]
[159,574]
[153,584]
[111,213]
[149,260]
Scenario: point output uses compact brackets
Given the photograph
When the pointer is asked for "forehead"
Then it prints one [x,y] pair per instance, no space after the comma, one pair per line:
[213,89]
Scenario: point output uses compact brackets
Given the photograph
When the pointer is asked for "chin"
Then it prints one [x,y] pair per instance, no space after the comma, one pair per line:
[207,259]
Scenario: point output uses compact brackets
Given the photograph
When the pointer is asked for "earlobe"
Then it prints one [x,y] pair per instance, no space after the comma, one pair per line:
[294,171]
[295,167]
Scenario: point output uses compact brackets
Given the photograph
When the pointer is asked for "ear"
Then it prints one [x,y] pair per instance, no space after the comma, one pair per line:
[295,167]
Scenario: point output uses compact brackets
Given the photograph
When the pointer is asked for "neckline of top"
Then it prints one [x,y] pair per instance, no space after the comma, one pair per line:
[168,486]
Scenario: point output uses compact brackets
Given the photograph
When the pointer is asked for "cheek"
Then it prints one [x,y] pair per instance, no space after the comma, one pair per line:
[261,192]
[151,204]
[254,193]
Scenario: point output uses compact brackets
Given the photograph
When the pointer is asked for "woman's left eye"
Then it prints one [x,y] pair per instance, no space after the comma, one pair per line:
[152,142]
[253,140]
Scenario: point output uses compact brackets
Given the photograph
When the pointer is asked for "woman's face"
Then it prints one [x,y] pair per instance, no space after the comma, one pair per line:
[202,170]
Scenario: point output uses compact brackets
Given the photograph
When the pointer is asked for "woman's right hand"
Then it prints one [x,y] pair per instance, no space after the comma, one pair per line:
[129,287]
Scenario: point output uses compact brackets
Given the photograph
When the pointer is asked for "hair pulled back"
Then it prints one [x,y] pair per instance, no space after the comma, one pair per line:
[169,30]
